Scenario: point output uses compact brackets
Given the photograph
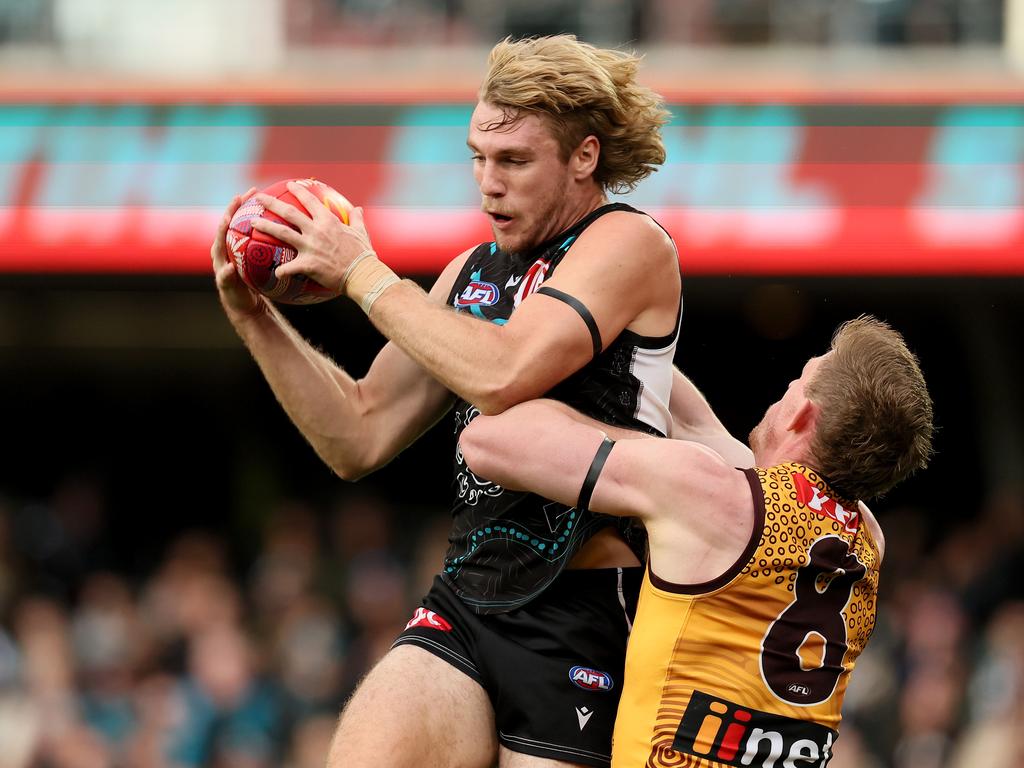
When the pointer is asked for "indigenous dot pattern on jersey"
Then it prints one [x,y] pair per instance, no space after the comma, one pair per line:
[257,255]
[788,528]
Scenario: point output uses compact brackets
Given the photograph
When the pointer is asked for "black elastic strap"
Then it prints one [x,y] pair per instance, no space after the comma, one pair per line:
[581,309]
[593,473]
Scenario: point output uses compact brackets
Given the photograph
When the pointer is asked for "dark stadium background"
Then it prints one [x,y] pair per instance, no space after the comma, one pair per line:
[140,384]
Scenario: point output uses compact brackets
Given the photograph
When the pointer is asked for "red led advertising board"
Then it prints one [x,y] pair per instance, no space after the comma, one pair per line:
[748,188]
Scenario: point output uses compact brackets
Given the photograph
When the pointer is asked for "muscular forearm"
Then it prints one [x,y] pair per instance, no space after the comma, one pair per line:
[320,398]
[477,360]
[690,409]
[694,420]
[539,446]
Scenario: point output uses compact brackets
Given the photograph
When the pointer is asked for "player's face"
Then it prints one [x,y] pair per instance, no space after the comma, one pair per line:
[522,178]
[769,433]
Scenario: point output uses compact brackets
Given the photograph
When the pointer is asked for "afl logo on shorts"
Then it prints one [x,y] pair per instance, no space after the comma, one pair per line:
[477,294]
[591,679]
[428,619]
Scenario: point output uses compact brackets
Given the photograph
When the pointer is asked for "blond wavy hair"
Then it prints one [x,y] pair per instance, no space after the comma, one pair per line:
[875,422]
[582,91]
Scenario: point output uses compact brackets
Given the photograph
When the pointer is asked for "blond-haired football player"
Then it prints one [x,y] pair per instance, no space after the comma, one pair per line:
[515,653]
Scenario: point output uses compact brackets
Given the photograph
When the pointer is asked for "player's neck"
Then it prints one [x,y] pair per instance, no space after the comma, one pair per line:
[792,448]
[580,206]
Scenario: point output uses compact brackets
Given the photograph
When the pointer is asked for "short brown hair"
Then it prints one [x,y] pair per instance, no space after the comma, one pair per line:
[582,91]
[875,422]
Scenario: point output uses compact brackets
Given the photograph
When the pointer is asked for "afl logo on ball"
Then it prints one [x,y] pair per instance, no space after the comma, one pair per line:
[478,294]
[591,679]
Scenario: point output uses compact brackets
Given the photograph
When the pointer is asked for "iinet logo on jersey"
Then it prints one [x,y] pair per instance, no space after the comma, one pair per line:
[718,730]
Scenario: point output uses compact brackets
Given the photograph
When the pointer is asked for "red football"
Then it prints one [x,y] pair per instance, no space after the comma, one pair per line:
[257,255]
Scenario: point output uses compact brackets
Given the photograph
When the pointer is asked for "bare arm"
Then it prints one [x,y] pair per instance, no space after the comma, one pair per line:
[547,447]
[618,271]
[693,419]
[355,426]
[697,508]
[623,268]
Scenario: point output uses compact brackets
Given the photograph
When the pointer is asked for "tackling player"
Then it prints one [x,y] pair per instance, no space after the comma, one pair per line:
[760,586]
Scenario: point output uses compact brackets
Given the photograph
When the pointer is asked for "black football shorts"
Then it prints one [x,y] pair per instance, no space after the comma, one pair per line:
[552,668]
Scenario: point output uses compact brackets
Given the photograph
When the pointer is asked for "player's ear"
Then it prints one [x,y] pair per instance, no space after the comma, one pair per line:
[804,418]
[584,158]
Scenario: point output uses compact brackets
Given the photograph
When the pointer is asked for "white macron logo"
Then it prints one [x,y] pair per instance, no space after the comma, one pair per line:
[583,715]
[513,281]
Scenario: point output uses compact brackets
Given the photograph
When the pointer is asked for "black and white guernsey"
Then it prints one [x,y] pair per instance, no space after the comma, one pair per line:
[506,546]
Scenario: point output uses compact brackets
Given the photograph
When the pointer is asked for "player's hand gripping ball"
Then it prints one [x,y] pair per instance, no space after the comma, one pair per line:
[257,255]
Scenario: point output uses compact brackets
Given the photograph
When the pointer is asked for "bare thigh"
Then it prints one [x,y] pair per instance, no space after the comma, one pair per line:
[510,759]
[415,711]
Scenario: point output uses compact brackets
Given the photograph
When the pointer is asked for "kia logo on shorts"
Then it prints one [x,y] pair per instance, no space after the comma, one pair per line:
[424,618]
[591,679]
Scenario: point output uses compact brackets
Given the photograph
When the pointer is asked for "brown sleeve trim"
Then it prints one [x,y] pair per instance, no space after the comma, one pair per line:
[734,570]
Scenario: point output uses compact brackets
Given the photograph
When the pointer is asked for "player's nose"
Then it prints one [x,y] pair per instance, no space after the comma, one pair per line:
[490,182]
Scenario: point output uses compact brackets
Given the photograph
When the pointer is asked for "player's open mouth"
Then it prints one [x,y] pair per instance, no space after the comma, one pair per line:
[499,219]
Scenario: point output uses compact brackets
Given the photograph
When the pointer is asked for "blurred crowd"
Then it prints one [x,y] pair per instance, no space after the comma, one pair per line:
[215,658]
[660,22]
[643,22]
[207,658]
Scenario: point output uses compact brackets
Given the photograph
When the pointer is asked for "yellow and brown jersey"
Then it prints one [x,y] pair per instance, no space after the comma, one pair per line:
[750,669]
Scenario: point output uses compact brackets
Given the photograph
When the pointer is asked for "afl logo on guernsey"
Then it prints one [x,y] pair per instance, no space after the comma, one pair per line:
[591,679]
[477,294]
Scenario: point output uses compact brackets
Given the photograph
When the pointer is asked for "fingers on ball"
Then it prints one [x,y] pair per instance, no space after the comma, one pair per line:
[279,231]
[284,210]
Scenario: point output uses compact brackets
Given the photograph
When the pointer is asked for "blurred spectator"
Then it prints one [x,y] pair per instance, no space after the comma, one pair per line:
[850,751]
[232,716]
[47,674]
[929,705]
[361,524]
[47,670]
[309,654]
[286,568]
[104,632]
[189,592]
[159,711]
[379,608]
